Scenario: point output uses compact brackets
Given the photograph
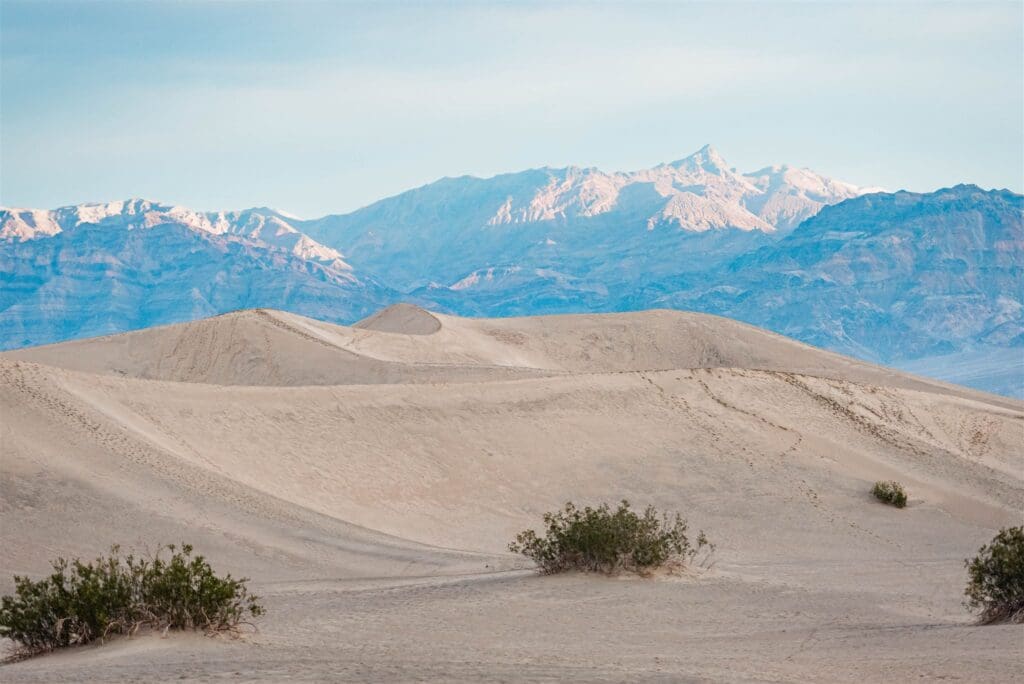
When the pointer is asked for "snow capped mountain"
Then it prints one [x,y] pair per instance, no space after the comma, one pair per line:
[447,230]
[790,195]
[569,193]
[697,193]
[897,278]
[271,229]
[104,268]
[891,277]
[28,224]
[259,226]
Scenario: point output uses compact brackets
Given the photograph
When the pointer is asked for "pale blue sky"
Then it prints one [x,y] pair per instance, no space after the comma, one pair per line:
[317,107]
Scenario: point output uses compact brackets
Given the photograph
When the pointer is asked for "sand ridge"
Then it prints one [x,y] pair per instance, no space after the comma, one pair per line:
[403,319]
[406,344]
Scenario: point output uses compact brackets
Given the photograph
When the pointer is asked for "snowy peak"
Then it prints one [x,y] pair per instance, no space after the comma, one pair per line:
[787,195]
[258,228]
[697,193]
[128,214]
[804,181]
[705,160]
[569,193]
[26,224]
[269,228]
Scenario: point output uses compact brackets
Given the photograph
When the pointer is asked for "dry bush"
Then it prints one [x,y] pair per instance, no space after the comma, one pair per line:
[891,492]
[602,540]
[995,584]
[80,601]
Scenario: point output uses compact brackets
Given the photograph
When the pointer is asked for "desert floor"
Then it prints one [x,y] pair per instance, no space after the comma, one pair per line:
[368,478]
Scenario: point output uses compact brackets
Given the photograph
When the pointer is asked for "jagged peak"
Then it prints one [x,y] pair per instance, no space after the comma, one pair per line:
[707,159]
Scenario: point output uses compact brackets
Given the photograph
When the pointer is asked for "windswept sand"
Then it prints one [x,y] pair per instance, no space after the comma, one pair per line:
[367,479]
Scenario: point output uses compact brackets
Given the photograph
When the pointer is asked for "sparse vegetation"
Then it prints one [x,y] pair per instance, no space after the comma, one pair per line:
[995,585]
[891,492]
[80,601]
[602,540]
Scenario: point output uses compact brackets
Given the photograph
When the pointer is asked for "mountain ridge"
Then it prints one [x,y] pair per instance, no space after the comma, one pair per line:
[888,277]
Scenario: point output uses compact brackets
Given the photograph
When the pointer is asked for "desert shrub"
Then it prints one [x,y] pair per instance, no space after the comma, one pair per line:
[891,492]
[602,540]
[995,584]
[83,601]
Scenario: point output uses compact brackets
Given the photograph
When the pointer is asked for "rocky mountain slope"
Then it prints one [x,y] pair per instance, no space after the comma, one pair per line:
[889,277]
[575,220]
[896,278]
[106,268]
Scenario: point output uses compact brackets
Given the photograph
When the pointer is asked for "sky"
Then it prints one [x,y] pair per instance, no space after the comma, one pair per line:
[319,107]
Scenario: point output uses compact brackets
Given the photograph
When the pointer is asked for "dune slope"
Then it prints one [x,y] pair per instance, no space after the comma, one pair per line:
[368,479]
[406,344]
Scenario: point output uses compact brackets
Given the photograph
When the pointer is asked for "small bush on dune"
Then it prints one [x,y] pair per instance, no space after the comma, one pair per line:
[995,584]
[602,540]
[891,492]
[81,602]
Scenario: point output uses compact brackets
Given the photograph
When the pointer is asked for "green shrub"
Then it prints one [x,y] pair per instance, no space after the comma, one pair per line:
[80,602]
[600,540]
[891,492]
[995,584]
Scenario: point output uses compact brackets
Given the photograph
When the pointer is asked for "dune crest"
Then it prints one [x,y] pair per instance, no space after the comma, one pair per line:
[404,319]
[406,344]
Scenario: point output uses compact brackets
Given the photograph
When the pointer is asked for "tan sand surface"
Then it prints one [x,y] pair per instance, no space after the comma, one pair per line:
[368,478]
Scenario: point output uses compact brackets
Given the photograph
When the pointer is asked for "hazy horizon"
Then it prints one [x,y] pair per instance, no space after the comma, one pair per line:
[315,108]
[290,214]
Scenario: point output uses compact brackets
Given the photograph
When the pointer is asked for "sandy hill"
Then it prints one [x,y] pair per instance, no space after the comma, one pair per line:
[369,477]
[407,344]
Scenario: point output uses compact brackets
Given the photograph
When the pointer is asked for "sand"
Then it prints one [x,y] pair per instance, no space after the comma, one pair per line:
[368,478]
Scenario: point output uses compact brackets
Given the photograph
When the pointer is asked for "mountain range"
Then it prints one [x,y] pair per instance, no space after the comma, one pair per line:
[898,278]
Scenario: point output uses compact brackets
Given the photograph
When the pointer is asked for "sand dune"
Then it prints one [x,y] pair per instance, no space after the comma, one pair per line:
[405,344]
[368,478]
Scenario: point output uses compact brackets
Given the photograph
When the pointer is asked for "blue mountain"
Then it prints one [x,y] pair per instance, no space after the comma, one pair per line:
[930,282]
